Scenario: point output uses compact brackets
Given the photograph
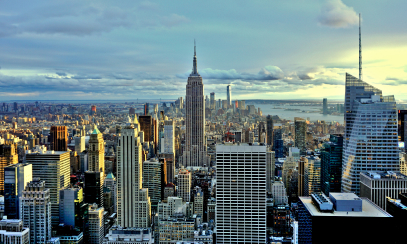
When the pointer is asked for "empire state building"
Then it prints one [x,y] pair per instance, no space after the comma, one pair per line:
[195,143]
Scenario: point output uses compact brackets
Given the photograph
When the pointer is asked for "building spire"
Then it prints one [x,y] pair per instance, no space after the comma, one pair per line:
[195,67]
[360,51]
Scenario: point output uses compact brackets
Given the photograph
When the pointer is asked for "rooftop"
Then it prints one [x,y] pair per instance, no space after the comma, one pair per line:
[376,175]
[369,209]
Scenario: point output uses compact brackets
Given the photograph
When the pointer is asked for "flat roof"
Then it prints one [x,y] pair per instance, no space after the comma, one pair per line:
[344,196]
[369,209]
[377,175]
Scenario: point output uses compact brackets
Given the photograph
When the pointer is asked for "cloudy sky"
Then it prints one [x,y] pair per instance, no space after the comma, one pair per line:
[294,49]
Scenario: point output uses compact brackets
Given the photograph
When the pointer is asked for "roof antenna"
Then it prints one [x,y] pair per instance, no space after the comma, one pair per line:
[194,48]
[360,51]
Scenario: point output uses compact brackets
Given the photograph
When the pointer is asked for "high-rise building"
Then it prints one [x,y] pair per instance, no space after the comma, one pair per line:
[241,188]
[229,95]
[320,219]
[325,106]
[213,101]
[370,140]
[312,175]
[12,231]
[8,156]
[132,235]
[398,209]
[195,143]
[59,138]
[331,165]
[93,188]
[73,211]
[79,144]
[278,143]
[53,167]
[16,177]
[262,133]
[300,134]
[96,152]
[146,125]
[378,185]
[402,127]
[110,183]
[288,167]
[96,224]
[133,203]
[153,180]
[199,202]
[271,166]
[36,211]
[270,132]
[146,109]
[184,185]
[169,137]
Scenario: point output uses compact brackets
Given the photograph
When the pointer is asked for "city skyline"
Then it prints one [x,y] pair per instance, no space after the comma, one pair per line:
[121,52]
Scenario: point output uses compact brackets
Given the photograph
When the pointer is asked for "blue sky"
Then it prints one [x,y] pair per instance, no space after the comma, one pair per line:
[78,50]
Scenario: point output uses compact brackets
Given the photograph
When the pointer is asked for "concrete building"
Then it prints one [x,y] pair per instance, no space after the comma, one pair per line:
[279,193]
[241,193]
[96,224]
[16,177]
[36,211]
[320,219]
[79,144]
[370,140]
[153,180]
[199,202]
[377,185]
[325,106]
[212,101]
[110,183]
[270,132]
[184,185]
[169,137]
[119,235]
[300,134]
[53,167]
[13,232]
[174,206]
[96,152]
[176,230]
[133,202]
[288,167]
[195,143]
[271,165]
[8,156]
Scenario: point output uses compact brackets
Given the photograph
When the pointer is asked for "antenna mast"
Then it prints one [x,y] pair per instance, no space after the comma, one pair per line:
[360,51]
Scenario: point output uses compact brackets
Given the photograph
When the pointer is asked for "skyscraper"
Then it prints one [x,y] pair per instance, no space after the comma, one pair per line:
[53,167]
[402,126]
[270,131]
[331,165]
[241,193]
[184,185]
[229,95]
[8,156]
[300,134]
[96,152]
[36,211]
[370,141]
[169,137]
[325,106]
[59,138]
[153,179]
[79,144]
[133,203]
[213,101]
[16,177]
[195,143]
[93,188]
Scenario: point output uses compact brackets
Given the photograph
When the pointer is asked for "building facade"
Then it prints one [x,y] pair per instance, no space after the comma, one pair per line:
[8,156]
[331,164]
[184,185]
[300,134]
[370,141]
[195,143]
[36,211]
[59,138]
[96,152]
[133,203]
[241,193]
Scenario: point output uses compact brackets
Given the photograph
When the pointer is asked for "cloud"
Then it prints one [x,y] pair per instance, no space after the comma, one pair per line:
[60,73]
[336,14]
[391,78]
[266,73]
[173,20]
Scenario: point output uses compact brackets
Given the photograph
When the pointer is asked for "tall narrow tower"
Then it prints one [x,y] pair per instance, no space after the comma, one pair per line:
[229,95]
[195,144]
